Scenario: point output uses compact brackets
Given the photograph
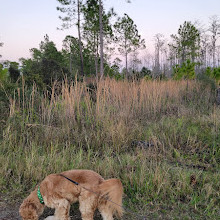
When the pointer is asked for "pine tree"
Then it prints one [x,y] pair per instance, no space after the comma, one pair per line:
[127,37]
[73,8]
[186,43]
[91,29]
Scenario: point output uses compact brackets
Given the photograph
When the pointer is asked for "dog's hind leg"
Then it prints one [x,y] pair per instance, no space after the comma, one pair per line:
[62,209]
[106,212]
[106,215]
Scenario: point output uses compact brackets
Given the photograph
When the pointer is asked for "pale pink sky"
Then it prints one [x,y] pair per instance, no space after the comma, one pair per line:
[24,23]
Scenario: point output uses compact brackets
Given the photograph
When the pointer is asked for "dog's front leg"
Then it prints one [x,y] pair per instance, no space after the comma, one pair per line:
[62,209]
[87,206]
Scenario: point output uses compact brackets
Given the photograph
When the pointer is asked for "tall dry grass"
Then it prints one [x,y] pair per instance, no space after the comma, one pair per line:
[68,111]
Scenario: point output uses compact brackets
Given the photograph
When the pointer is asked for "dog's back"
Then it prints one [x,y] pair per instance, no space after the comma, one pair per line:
[84,177]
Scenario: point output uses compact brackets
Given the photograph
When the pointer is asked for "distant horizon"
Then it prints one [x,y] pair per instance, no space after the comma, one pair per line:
[26,23]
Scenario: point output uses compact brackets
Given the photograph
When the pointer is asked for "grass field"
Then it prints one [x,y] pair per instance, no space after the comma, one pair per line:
[176,177]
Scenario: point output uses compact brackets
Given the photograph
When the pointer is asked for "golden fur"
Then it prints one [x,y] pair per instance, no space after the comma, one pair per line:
[59,193]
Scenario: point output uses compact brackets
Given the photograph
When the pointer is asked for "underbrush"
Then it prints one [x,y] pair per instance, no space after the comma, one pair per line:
[162,139]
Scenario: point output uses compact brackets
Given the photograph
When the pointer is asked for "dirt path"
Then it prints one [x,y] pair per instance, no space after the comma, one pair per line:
[8,211]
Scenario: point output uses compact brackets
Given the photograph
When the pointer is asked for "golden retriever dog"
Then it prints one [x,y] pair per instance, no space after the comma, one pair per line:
[92,192]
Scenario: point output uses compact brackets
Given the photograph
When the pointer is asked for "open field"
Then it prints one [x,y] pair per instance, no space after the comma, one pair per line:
[161,138]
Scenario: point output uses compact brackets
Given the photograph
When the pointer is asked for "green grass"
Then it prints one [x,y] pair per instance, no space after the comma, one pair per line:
[71,131]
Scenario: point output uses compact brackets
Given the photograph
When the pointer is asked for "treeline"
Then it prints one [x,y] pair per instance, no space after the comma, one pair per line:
[110,45]
[195,49]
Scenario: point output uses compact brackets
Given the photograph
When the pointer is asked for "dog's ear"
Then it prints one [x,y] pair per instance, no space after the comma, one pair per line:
[28,211]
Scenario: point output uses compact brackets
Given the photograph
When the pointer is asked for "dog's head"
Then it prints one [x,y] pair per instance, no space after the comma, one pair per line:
[31,209]
[28,211]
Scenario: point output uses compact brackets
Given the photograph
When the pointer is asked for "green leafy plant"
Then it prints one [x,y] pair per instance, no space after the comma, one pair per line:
[184,71]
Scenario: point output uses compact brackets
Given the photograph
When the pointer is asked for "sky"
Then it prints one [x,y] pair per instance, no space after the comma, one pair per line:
[24,23]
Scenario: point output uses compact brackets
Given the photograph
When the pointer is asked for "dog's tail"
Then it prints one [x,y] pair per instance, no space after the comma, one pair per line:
[111,195]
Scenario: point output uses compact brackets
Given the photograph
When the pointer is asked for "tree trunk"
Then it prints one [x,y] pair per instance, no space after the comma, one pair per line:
[183,56]
[126,58]
[70,61]
[126,64]
[101,39]
[96,44]
[80,40]
[218,96]
[157,62]
[96,66]
[214,63]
